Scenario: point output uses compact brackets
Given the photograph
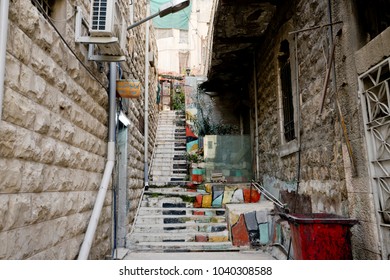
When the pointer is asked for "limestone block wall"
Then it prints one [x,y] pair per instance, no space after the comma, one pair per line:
[54,133]
[326,180]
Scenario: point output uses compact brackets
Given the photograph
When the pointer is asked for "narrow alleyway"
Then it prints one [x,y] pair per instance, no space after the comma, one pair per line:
[177,220]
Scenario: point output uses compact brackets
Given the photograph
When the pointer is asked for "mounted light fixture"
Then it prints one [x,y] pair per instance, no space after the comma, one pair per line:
[171,7]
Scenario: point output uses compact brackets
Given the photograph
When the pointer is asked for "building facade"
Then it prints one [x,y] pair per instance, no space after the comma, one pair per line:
[314,80]
[182,40]
[54,130]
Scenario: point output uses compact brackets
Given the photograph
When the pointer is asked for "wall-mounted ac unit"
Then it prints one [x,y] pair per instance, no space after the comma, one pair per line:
[102,18]
[107,31]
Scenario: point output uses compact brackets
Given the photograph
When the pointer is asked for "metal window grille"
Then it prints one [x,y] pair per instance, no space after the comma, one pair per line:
[374,86]
[287,98]
[45,7]
[99,15]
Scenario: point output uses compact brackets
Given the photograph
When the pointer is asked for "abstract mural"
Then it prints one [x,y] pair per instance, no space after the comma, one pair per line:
[220,195]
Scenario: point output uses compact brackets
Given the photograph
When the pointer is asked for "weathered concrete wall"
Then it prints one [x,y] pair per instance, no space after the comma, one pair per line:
[53,137]
[326,181]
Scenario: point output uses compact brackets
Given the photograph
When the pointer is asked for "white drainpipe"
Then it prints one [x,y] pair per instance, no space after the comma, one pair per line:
[89,235]
[4,7]
[146,118]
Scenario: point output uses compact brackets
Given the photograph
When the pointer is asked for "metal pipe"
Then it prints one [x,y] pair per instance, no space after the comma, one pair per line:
[256,119]
[332,66]
[142,21]
[146,116]
[89,235]
[4,7]
[315,27]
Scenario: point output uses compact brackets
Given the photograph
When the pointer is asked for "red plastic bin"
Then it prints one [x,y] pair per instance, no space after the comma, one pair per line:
[320,236]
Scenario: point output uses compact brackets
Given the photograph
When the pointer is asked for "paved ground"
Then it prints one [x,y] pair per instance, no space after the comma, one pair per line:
[239,255]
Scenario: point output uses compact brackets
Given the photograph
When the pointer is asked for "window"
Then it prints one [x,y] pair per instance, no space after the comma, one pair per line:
[374,17]
[286,92]
[163,33]
[183,61]
[183,38]
[54,11]
[44,6]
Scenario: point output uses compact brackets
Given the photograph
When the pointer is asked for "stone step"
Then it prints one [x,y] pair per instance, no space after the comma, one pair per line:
[174,190]
[188,210]
[222,236]
[171,127]
[171,122]
[160,201]
[172,130]
[184,246]
[170,144]
[167,161]
[173,193]
[165,137]
[170,179]
[169,152]
[169,168]
[160,140]
[181,227]
[171,173]
[181,219]
[164,183]
[170,176]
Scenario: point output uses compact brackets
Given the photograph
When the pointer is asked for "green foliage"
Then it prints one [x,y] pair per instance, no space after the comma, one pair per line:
[178,101]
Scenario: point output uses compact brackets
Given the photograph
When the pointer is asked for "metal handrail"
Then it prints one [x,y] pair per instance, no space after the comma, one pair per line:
[136,213]
[268,195]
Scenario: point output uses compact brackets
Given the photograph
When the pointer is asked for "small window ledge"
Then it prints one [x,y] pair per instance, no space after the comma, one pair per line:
[288,148]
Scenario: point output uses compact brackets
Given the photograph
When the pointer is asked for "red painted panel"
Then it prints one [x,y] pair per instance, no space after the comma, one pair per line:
[240,236]
[198,201]
[251,196]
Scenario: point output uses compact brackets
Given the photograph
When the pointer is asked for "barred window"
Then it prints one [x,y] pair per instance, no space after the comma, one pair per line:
[44,6]
[287,93]
[54,11]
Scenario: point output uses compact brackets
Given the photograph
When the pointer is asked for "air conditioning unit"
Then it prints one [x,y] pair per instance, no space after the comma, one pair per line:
[102,18]
[107,31]
[107,21]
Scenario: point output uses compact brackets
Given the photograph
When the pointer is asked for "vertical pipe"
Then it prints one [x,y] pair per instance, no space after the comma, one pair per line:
[89,235]
[333,68]
[4,7]
[146,116]
[256,119]
[298,110]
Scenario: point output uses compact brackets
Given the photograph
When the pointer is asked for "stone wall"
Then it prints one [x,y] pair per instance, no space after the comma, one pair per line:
[54,133]
[327,182]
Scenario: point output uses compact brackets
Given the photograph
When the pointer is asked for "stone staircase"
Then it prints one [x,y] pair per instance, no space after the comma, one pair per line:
[178,216]
[168,222]
[169,164]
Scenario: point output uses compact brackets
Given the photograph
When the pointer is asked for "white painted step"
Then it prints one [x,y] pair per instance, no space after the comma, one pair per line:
[190,246]
[165,236]
[189,210]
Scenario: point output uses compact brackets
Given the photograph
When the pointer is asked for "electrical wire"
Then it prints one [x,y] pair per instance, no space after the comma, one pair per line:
[44,13]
